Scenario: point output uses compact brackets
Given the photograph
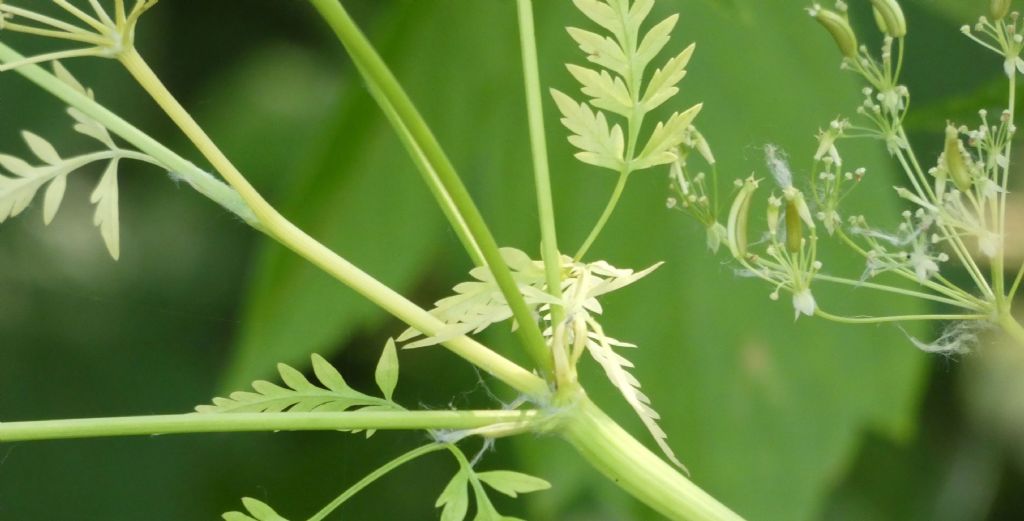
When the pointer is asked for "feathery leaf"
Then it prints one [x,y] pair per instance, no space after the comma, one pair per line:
[300,395]
[599,145]
[661,146]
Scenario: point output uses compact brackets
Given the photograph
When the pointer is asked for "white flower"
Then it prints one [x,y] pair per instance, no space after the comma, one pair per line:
[804,303]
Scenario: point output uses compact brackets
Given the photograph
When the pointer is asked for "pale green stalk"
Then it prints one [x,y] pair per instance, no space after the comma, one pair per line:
[999,262]
[291,236]
[630,465]
[1012,328]
[609,209]
[203,182]
[279,228]
[376,72]
[375,475]
[896,290]
[260,421]
[444,200]
[538,145]
[903,318]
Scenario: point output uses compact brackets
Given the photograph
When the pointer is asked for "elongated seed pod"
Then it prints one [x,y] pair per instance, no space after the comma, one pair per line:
[999,9]
[840,29]
[739,215]
[956,164]
[774,211]
[892,23]
[794,228]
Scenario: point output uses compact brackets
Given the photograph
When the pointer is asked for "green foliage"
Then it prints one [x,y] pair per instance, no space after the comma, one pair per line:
[302,396]
[627,54]
[18,190]
[257,511]
[454,499]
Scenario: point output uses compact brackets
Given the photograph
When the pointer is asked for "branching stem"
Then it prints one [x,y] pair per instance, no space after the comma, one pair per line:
[376,72]
[291,236]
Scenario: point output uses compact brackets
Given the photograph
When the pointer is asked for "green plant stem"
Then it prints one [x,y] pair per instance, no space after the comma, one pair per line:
[1016,283]
[609,209]
[538,145]
[901,318]
[377,74]
[897,290]
[375,475]
[263,421]
[637,470]
[181,168]
[431,178]
[1012,328]
[291,236]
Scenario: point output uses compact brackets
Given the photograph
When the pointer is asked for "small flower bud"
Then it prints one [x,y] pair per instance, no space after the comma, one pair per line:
[739,215]
[797,214]
[956,164]
[889,16]
[840,29]
[803,302]
[998,9]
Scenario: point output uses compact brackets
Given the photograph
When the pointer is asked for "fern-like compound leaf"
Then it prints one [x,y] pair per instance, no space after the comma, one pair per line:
[20,180]
[601,50]
[41,148]
[617,367]
[661,146]
[107,217]
[454,499]
[479,303]
[300,395]
[620,88]
[600,144]
[604,90]
[256,511]
[664,80]
[512,483]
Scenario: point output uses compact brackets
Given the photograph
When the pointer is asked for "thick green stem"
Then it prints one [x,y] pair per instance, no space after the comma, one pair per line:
[264,421]
[377,73]
[637,470]
[291,236]
[1012,328]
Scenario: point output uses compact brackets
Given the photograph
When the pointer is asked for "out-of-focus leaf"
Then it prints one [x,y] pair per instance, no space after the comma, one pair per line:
[362,197]
[750,396]
[960,11]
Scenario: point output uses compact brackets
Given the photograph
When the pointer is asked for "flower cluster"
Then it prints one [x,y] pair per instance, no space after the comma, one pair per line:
[956,215]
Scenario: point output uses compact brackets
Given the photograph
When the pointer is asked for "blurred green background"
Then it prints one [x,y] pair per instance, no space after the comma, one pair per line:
[780,420]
